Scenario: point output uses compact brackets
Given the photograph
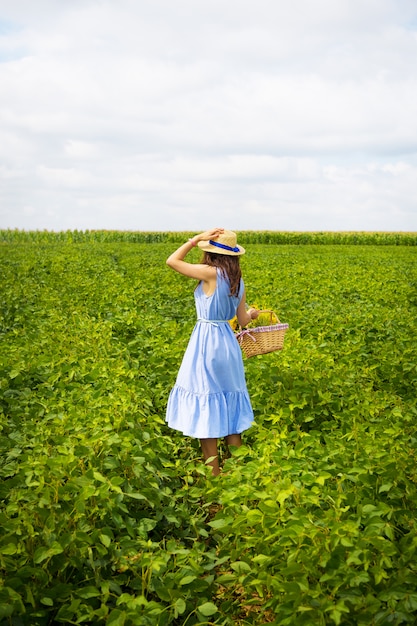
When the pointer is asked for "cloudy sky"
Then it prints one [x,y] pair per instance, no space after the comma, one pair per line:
[189,114]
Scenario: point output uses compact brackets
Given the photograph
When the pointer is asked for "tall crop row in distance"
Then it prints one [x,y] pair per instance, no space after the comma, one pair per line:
[264,237]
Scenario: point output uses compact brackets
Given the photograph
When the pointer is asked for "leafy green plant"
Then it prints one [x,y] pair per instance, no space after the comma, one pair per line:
[108,517]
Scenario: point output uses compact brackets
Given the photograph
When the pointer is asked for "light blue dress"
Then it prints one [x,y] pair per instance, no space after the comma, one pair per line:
[210,397]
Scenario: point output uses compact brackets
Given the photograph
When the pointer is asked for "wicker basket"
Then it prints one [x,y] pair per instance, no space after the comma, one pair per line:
[262,339]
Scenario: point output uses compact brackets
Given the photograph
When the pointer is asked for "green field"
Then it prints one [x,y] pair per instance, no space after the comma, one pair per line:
[108,517]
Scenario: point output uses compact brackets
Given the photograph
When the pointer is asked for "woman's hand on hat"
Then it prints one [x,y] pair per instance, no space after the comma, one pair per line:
[209,234]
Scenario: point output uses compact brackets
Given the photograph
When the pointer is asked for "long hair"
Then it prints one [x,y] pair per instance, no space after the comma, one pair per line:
[229,267]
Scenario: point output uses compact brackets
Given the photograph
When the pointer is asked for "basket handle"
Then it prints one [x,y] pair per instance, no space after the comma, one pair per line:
[271,314]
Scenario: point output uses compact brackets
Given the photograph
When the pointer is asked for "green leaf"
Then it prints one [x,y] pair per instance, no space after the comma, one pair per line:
[240,567]
[135,496]
[187,580]
[105,540]
[42,553]
[385,487]
[284,494]
[116,618]
[254,516]
[179,606]
[222,522]
[8,549]
[99,476]
[322,478]
[88,592]
[369,508]
[262,559]
[207,609]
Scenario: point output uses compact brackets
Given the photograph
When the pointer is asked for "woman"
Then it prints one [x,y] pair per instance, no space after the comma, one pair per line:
[210,397]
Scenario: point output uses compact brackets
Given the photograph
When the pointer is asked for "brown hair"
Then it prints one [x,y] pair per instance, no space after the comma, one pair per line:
[229,267]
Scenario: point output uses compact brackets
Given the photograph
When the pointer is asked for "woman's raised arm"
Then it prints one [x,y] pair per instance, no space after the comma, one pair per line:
[193,270]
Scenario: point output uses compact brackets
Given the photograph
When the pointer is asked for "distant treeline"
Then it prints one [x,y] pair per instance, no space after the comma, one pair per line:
[245,236]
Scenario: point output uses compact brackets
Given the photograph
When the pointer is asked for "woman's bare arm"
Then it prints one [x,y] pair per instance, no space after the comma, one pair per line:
[245,316]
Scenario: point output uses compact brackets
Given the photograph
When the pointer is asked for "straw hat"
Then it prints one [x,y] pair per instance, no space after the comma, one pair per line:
[226,243]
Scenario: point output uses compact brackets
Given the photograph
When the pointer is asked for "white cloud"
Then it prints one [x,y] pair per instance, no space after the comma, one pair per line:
[169,115]
[64,177]
[81,149]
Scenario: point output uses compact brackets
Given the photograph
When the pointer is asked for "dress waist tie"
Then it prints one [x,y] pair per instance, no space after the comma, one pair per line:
[212,322]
